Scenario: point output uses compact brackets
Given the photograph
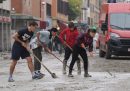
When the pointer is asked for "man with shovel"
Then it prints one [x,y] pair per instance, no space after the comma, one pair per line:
[42,39]
[20,49]
[68,37]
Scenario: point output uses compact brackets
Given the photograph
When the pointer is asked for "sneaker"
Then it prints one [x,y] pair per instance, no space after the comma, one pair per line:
[36,76]
[70,75]
[87,75]
[41,74]
[10,79]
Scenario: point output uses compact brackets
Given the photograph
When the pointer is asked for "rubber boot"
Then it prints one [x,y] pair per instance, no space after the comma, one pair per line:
[79,67]
[86,74]
[64,66]
[70,73]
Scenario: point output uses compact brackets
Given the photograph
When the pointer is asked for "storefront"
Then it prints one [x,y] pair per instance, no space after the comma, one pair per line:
[20,20]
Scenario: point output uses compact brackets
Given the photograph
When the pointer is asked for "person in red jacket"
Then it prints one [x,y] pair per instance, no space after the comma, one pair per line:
[68,38]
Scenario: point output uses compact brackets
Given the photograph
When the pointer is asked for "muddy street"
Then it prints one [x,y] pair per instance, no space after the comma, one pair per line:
[107,75]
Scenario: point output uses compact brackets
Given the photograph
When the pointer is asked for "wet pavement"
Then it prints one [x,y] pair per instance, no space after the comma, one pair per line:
[107,75]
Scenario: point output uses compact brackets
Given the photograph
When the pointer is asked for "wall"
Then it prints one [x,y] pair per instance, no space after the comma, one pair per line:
[36,8]
[27,7]
[17,5]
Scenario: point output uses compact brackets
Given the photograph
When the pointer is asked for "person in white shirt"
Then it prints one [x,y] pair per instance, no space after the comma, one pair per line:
[41,40]
[95,39]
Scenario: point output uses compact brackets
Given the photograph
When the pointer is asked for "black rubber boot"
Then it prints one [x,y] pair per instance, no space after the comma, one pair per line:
[64,66]
[79,67]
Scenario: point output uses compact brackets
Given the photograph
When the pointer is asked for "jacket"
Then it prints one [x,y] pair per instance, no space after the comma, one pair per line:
[86,39]
[69,36]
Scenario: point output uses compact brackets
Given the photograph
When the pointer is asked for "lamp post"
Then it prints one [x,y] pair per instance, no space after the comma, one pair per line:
[14,21]
[2,36]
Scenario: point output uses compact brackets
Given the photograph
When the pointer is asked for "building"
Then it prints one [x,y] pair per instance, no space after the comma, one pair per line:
[5,25]
[94,12]
[24,11]
[59,11]
[127,1]
[85,11]
[90,12]
[46,12]
[114,0]
[15,14]
[46,8]
[54,10]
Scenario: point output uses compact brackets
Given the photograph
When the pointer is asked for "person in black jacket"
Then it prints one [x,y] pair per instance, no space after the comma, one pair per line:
[84,40]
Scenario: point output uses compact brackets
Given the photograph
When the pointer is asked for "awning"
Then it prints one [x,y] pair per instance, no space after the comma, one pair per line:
[25,17]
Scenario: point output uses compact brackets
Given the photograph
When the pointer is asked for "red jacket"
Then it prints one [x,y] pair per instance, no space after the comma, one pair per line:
[69,36]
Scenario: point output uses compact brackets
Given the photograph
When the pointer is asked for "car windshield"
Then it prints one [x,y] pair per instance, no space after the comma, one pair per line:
[120,21]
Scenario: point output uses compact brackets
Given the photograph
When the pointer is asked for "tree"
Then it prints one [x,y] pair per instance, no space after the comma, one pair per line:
[74,9]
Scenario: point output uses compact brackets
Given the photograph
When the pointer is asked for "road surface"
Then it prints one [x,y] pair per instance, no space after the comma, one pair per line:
[107,75]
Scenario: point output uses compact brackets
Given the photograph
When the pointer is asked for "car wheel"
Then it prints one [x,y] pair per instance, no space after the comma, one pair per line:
[101,53]
[108,53]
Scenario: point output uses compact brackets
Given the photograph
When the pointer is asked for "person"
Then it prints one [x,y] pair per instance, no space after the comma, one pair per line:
[41,40]
[20,49]
[84,40]
[57,44]
[68,37]
[95,42]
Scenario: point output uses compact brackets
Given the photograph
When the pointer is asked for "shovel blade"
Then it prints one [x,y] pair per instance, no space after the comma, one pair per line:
[53,75]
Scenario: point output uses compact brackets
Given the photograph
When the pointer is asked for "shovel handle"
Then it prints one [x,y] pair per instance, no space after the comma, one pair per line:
[42,63]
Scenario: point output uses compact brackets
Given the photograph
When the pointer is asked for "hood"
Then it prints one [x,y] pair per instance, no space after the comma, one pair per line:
[122,33]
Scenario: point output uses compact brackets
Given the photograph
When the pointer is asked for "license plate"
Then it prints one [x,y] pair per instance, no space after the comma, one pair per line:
[128,49]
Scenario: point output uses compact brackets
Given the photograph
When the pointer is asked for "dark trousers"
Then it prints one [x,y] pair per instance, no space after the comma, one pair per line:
[37,52]
[77,50]
[68,52]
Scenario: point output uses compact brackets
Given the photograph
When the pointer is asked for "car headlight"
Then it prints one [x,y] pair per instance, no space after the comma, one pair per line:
[114,35]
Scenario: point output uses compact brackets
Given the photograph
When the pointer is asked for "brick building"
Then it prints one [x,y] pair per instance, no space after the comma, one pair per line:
[59,10]
[15,14]
[24,11]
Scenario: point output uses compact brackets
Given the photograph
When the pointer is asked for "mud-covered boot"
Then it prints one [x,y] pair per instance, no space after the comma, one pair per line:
[79,67]
[64,66]
[86,74]
[70,75]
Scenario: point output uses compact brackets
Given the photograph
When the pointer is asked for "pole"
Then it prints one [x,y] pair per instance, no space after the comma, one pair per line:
[2,29]
[7,40]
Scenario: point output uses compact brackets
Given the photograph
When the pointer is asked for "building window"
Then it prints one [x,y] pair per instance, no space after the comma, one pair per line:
[59,6]
[62,7]
[88,3]
[29,3]
[48,9]
[65,8]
